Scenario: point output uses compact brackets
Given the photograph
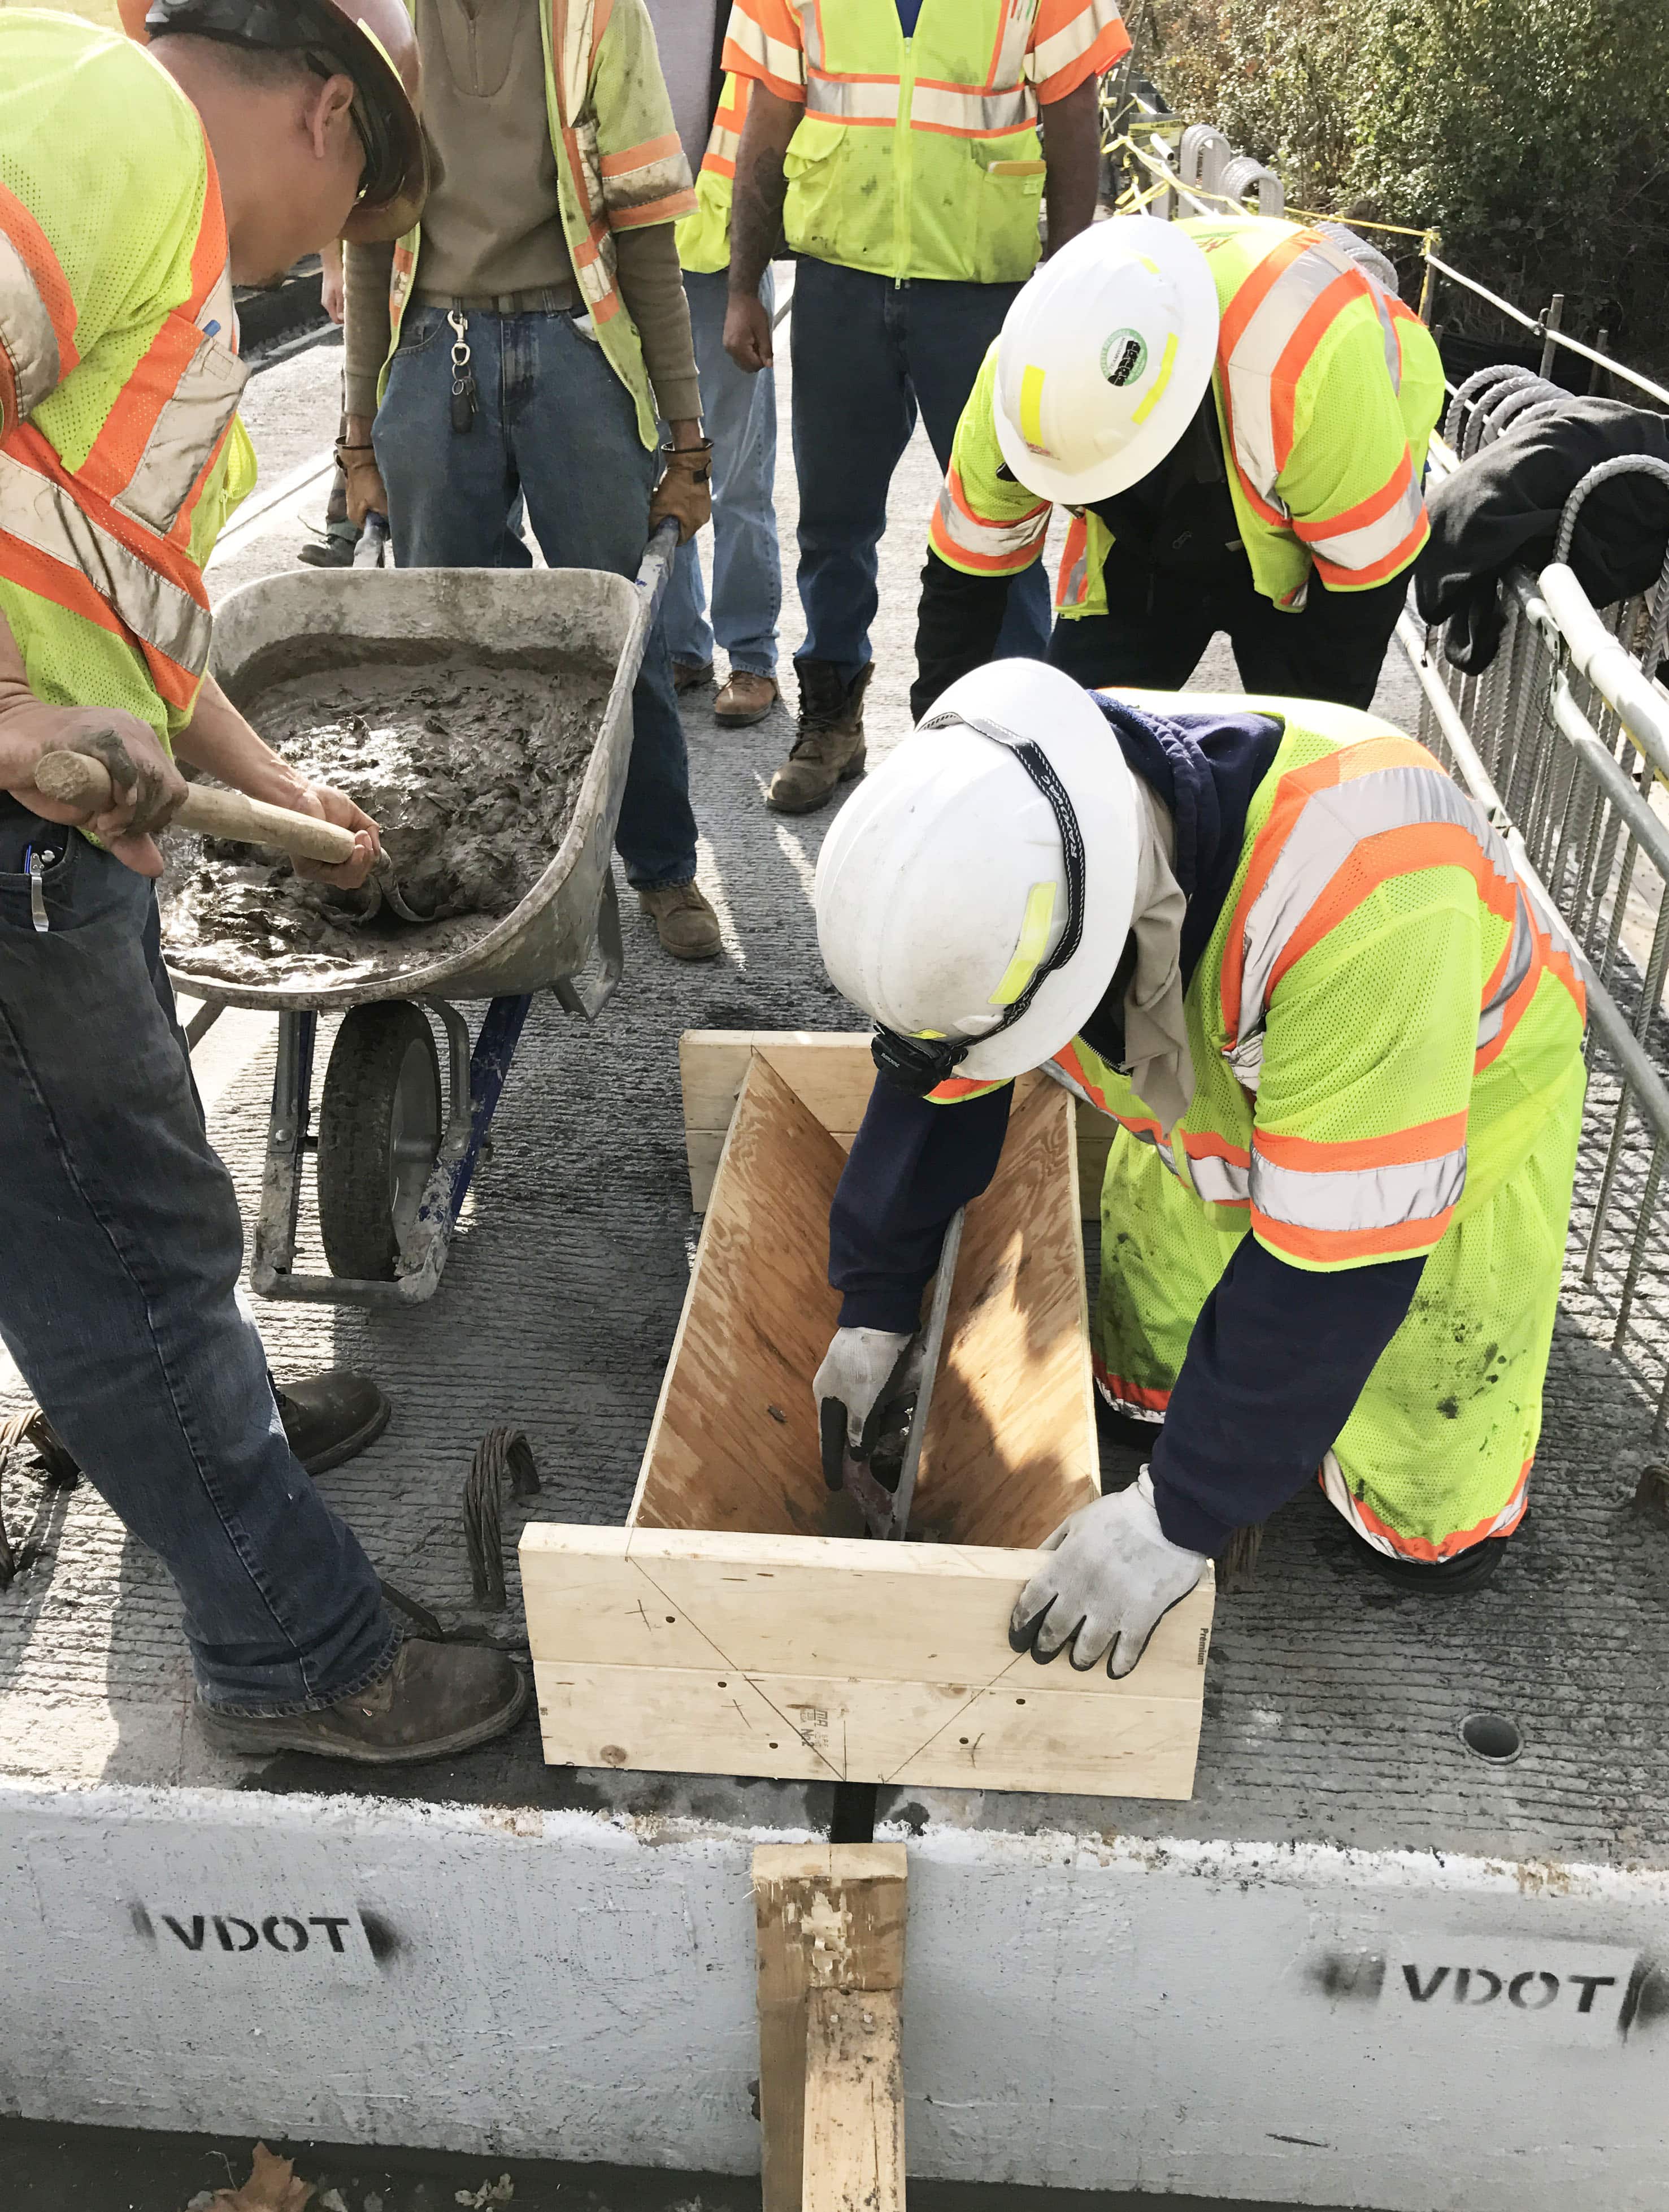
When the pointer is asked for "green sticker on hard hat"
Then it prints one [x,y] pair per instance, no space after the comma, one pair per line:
[1124,358]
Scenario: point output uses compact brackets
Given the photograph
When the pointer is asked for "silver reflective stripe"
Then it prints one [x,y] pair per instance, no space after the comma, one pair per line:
[1370,543]
[1057,1074]
[723,146]
[1520,955]
[1246,1058]
[645,183]
[35,511]
[1358,1199]
[792,69]
[1220,1183]
[871,101]
[1257,353]
[1330,826]
[25,332]
[1013,542]
[977,114]
[184,436]
[1072,41]
[1388,325]
[1011,45]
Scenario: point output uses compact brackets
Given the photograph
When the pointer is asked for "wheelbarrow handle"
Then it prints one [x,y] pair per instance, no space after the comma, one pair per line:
[373,541]
[657,570]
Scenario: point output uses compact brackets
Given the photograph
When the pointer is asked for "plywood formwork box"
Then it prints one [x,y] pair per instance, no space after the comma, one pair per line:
[739,1623]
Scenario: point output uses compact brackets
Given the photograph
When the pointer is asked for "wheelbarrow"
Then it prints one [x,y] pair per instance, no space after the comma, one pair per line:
[396,1147]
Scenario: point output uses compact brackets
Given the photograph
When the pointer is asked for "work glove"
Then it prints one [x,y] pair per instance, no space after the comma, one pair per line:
[864,1371]
[367,492]
[1112,1576]
[685,490]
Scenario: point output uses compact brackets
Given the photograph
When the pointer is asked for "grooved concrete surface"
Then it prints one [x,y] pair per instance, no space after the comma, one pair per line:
[1332,1702]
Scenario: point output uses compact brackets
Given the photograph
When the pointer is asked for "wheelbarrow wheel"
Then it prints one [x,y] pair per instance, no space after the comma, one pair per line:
[381,1121]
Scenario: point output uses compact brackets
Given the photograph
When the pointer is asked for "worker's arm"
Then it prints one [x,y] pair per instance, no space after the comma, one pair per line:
[1072,151]
[757,194]
[1358,1161]
[1350,486]
[911,1165]
[149,787]
[366,332]
[218,740]
[985,529]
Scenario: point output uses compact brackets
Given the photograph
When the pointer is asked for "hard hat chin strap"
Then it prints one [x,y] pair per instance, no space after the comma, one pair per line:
[919,1065]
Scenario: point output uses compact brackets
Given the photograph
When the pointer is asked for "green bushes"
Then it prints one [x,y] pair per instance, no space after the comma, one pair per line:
[1534,134]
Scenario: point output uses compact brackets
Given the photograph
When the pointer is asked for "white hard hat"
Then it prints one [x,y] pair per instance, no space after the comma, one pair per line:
[1104,357]
[974,893]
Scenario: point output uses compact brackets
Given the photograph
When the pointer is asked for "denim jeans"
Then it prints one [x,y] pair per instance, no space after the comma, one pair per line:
[119,1297]
[867,354]
[740,414]
[555,426]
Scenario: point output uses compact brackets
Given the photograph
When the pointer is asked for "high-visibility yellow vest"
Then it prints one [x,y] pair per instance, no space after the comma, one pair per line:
[704,236]
[1327,390]
[1386,1029]
[619,167]
[120,453]
[920,157]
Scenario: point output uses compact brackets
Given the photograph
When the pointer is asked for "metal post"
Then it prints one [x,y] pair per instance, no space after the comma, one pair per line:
[1550,324]
[1598,377]
[1429,283]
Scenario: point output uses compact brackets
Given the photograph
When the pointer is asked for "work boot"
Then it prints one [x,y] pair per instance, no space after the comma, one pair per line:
[829,749]
[330,1419]
[685,924]
[435,1700]
[691,675]
[1459,1577]
[335,548]
[747,698]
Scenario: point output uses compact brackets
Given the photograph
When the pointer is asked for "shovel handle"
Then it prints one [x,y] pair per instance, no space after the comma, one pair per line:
[79,780]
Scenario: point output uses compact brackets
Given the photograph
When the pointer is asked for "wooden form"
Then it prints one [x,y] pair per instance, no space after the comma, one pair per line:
[739,1624]
[834,1081]
[830,1928]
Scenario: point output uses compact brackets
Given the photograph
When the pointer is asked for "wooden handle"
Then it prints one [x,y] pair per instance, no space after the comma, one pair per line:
[78,780]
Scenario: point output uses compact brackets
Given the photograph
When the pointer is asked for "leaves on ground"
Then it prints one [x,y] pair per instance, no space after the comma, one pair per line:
[501,2191]
[271,2187]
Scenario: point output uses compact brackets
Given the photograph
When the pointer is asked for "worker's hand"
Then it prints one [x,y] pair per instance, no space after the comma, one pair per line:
[332,288]
[685,490]
[367,492]
[150,790]
[336,806]
[748,333]
[1112,1577]
[864,1371]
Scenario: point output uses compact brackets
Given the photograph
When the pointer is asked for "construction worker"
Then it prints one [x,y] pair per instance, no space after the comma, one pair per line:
[136,185]
[1237,411]
[739,411]
[514,352]
[1342,1038]
[906,144]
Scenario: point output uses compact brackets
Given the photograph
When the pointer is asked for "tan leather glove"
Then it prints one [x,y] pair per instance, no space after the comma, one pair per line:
[367,492]
[685,490]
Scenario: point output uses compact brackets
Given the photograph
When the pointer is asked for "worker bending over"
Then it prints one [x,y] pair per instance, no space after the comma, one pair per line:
[1276,944]
[136,185]
[1237,411]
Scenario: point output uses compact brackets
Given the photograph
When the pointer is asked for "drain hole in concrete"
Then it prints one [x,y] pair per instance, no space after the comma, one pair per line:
[1493,1737]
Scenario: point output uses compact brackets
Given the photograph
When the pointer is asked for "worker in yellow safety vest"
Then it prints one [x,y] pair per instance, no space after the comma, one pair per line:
[907,146]
[1340,1033]
[1235,411]
[137,184]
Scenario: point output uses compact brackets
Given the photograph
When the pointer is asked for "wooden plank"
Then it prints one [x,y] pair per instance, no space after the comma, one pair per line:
[827,1917]
[734,1441]
[1010,1447]
[854,2158]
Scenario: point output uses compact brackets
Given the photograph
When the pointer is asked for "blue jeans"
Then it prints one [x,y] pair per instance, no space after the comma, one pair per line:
[867,354]
[740,414]
[554,426]
[118,1275]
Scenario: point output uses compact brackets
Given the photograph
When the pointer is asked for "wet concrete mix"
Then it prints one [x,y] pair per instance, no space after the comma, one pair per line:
[471,772]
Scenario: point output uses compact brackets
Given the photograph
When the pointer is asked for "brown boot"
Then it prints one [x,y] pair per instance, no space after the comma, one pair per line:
[829,749]
[686,924]
[748,697]
[435,1700]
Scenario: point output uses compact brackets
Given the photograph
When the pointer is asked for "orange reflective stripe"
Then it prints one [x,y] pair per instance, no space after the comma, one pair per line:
[1313,327]
[1377,572]
[663,149]
[1236,317]
[957,1087]
[1427,1140]
[1358,1511]
[1072,578]
[1073,40]
[1365,511]
[34,249]
[74,591]
[1140,1397]
[172,563]
[663,210]
[1345,1248]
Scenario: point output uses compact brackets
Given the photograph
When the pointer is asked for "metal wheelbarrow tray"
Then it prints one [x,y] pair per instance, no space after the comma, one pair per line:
[281,628]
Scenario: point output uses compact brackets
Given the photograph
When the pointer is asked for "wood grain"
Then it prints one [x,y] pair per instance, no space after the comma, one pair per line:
[853,2155]
[828,1919]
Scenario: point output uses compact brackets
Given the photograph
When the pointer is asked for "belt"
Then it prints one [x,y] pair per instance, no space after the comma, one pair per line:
[546,299]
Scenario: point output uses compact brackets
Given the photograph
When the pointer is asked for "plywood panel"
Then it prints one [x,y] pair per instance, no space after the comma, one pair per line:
[1010,1447]
[734,1441]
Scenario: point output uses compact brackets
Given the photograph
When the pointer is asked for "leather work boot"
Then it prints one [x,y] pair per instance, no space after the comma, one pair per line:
[685,924]
[829,749]
[691,675]
[747,698]
[330,1419]
[435,1700]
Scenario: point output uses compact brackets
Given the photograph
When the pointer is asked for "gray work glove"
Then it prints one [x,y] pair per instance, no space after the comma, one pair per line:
[864,1371]
[1112,1577]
